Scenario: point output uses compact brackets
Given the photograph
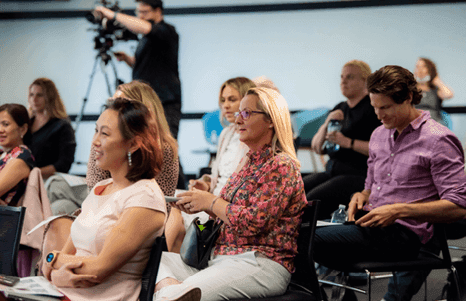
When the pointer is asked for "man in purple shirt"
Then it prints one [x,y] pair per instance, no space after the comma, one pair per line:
[415,177]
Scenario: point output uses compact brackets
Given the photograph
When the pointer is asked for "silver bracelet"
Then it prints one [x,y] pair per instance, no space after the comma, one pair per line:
[213,203]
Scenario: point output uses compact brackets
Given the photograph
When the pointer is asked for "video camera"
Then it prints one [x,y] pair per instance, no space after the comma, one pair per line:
[108,31]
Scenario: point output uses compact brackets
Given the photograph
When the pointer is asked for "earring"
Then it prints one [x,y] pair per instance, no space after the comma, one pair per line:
[129,159]
[21,136]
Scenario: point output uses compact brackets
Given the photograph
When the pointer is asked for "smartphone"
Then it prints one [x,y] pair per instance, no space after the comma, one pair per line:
[171,199]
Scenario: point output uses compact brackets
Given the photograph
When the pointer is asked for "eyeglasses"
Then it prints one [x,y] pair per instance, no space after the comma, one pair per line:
[246,113]
[141,12]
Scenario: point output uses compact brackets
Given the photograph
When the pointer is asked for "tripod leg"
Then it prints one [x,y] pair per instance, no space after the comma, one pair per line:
[104,71]
[81,113]
[117,80]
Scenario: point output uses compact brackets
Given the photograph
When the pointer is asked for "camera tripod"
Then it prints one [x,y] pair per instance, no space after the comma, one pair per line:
[103,57]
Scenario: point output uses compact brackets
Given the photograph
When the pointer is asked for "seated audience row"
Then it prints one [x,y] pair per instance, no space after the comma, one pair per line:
[265,127]
[132,138]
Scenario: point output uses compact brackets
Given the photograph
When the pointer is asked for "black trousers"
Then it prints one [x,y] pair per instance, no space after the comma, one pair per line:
[173,115]
[352,243]
[331,190]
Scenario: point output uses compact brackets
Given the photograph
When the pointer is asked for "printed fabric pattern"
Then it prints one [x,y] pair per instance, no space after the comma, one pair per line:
[21,152]
[265,213]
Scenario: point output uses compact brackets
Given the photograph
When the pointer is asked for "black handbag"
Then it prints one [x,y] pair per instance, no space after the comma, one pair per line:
[200,239]
[198,243]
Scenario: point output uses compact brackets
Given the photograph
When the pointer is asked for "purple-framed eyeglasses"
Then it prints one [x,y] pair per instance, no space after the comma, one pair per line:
[246,113]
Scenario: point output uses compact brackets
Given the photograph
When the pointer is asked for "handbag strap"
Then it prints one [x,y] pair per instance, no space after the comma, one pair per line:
[238,187]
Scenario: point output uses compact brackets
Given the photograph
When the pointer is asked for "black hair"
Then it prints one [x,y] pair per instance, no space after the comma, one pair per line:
[153,3]
[20,116]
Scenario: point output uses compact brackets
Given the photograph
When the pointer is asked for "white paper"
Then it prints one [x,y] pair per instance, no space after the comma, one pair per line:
[35,285]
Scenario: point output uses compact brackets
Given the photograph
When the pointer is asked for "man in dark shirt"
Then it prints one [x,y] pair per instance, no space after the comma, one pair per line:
[156,57]
[346,170]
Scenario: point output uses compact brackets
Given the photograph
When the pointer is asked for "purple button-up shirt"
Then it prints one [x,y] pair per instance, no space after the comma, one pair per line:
[425,163]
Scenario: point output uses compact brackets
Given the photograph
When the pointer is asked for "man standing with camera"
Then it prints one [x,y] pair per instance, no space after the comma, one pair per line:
[156,57]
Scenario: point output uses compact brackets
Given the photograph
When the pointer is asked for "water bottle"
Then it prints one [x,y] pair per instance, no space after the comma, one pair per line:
[339,215]
[333,125]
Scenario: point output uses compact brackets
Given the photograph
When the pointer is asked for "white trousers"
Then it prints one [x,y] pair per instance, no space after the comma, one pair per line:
[227,277]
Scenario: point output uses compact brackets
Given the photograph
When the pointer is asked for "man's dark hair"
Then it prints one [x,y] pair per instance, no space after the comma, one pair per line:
[153,3]
[395,82]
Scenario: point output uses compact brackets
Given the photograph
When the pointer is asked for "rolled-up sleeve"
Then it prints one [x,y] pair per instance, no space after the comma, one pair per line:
[447,168]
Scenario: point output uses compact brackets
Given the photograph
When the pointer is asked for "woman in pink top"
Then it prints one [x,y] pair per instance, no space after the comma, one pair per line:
[110,240]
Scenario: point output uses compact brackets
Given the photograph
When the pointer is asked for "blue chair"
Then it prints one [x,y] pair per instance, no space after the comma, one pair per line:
[212,126]
[447,120]
[305,125]
[212,130]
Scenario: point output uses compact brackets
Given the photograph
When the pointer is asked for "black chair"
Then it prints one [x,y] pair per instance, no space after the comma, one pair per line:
[304,284]
[152,268]
[426,261]
[11,224]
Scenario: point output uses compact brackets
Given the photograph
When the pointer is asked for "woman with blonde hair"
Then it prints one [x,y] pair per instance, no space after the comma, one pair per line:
[260,206]
[230,149]
[52,142]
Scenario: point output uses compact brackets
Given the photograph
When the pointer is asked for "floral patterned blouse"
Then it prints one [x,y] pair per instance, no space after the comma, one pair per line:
[265,213]
[20,152]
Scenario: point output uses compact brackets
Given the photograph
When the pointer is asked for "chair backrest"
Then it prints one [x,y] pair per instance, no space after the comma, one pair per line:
[441,235]
[212,126]
[305,274]
[11,224]
[152,268]
[307,123]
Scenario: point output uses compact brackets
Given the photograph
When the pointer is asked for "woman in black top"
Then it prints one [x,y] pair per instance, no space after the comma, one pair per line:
[53,142]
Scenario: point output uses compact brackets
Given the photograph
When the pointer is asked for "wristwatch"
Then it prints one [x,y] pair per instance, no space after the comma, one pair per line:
[51,258]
